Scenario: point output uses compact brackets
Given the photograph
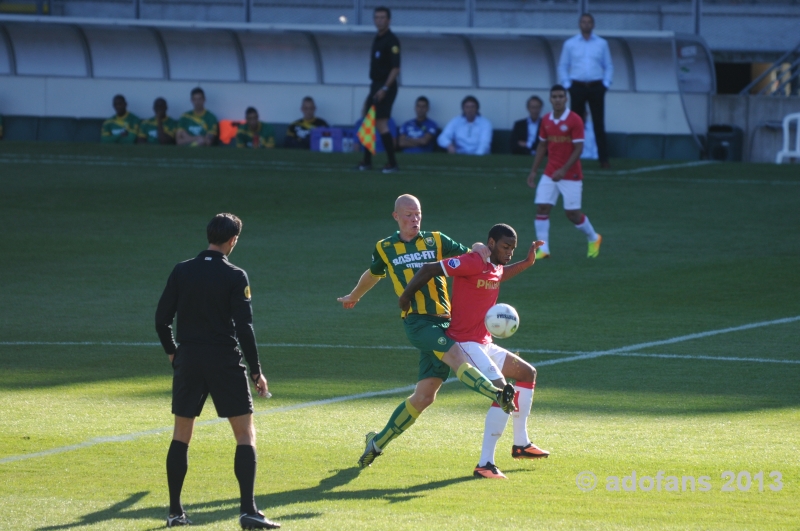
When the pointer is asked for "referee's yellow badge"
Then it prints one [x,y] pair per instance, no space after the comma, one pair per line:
[395,49]
[247,292]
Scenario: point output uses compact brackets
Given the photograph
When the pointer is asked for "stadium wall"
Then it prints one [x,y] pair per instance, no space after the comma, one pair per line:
[72,68]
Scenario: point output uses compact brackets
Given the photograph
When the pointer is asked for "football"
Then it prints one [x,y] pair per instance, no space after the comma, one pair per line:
[502,320]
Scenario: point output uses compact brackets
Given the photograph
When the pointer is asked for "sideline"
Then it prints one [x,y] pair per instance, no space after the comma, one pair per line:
[629,350]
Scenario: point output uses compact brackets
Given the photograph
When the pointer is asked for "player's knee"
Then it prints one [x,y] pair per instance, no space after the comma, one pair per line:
[421,401]
[542,210]
[575,216]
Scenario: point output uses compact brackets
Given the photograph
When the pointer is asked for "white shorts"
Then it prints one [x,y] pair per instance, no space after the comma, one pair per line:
[548,190]
[489,358]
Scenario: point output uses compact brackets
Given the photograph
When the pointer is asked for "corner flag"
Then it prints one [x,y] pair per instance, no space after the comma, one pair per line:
[366,133]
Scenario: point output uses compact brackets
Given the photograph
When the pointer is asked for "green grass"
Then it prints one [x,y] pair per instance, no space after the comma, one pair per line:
[91,233]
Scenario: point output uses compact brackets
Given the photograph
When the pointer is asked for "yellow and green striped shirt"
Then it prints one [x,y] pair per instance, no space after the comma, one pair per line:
[263,138]
[199,125]
[120,129]
[402,260]
[148,129]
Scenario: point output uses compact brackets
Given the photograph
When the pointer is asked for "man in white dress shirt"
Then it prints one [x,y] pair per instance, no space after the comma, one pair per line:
[468,134]
[586,70]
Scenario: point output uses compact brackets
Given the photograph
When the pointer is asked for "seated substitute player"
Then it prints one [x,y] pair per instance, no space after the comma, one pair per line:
[476,285]
[254,133]
[198,127]
[160,129]
[298,134]
[212,299]
[468,134]
[419,135]
[425,320]
[561,137]
[123,127]
[525,133]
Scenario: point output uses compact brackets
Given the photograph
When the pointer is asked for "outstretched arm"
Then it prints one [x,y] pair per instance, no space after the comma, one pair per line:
[423,276]
[537,160]
[513,270]
[365,283]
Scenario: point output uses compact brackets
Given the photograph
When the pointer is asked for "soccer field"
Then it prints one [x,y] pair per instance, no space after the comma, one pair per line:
[673,354]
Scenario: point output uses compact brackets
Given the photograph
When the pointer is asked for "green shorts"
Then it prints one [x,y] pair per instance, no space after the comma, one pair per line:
[426,332]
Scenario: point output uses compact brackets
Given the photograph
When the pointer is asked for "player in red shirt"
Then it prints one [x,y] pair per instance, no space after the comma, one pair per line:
[476,285]
[561,137]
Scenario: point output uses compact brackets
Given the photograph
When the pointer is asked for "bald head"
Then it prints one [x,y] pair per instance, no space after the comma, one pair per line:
[406,201]
[408,214]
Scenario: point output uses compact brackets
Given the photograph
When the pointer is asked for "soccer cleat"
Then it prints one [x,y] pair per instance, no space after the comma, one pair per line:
[176,520]
[390,169]
[541,255]
[363,166]
[505,398]
[594,247]
[490,471]
[370,452]
[529,451]
[257,521]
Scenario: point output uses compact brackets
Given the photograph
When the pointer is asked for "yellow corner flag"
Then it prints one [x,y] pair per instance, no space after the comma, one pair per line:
[366,133]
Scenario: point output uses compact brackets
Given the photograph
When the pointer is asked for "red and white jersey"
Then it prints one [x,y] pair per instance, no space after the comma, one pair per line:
[476,286]
[560,135]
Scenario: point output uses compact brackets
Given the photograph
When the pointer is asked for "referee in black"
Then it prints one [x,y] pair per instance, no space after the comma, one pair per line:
[212,299]
[384,67]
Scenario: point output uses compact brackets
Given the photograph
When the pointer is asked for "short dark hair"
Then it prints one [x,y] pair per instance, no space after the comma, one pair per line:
[250,110]
[423,98]
[473,99]
[535,98]
[586,15]
[502,230]
[385,10]
[159,100]
[119,97]
[308,98]
[222,228]
[557,87]
[198,90]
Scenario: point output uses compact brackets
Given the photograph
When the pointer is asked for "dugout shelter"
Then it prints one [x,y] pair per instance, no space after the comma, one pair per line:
[58,72]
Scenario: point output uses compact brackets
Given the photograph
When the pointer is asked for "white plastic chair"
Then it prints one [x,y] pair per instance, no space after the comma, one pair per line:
[786,152]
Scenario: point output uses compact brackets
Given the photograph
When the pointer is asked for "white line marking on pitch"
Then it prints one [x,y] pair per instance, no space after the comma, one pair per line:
[699,357]
[261,345]
[629,350]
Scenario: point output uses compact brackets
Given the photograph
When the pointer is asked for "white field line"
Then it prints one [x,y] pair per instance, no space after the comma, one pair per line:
[306,167]
[630,350]
[700,357]
[261,345]
[646,169]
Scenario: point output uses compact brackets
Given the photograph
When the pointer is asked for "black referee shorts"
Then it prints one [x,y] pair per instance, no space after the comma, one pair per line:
[202,370]
[383,109]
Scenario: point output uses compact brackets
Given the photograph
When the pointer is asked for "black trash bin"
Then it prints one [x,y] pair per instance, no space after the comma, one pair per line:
[724,142]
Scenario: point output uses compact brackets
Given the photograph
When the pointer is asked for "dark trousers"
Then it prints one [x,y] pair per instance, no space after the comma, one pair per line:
[594,93]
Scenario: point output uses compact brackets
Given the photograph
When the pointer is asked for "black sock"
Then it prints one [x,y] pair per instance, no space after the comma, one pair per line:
[177,465]
[367,156]
[388,144]
[244,465]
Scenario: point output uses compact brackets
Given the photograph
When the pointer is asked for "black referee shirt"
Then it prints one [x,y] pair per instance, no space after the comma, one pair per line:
[212,299]
[385,56]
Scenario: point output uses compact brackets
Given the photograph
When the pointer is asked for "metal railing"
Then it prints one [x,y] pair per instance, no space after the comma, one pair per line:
[783,76]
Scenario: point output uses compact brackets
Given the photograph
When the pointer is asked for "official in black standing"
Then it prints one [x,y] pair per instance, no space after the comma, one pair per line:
[212,299]
[384,67]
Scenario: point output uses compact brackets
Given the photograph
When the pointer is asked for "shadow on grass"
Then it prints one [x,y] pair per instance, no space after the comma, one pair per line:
[218,510]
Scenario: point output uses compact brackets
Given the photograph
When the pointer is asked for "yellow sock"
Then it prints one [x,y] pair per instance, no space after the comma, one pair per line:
[475,380]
